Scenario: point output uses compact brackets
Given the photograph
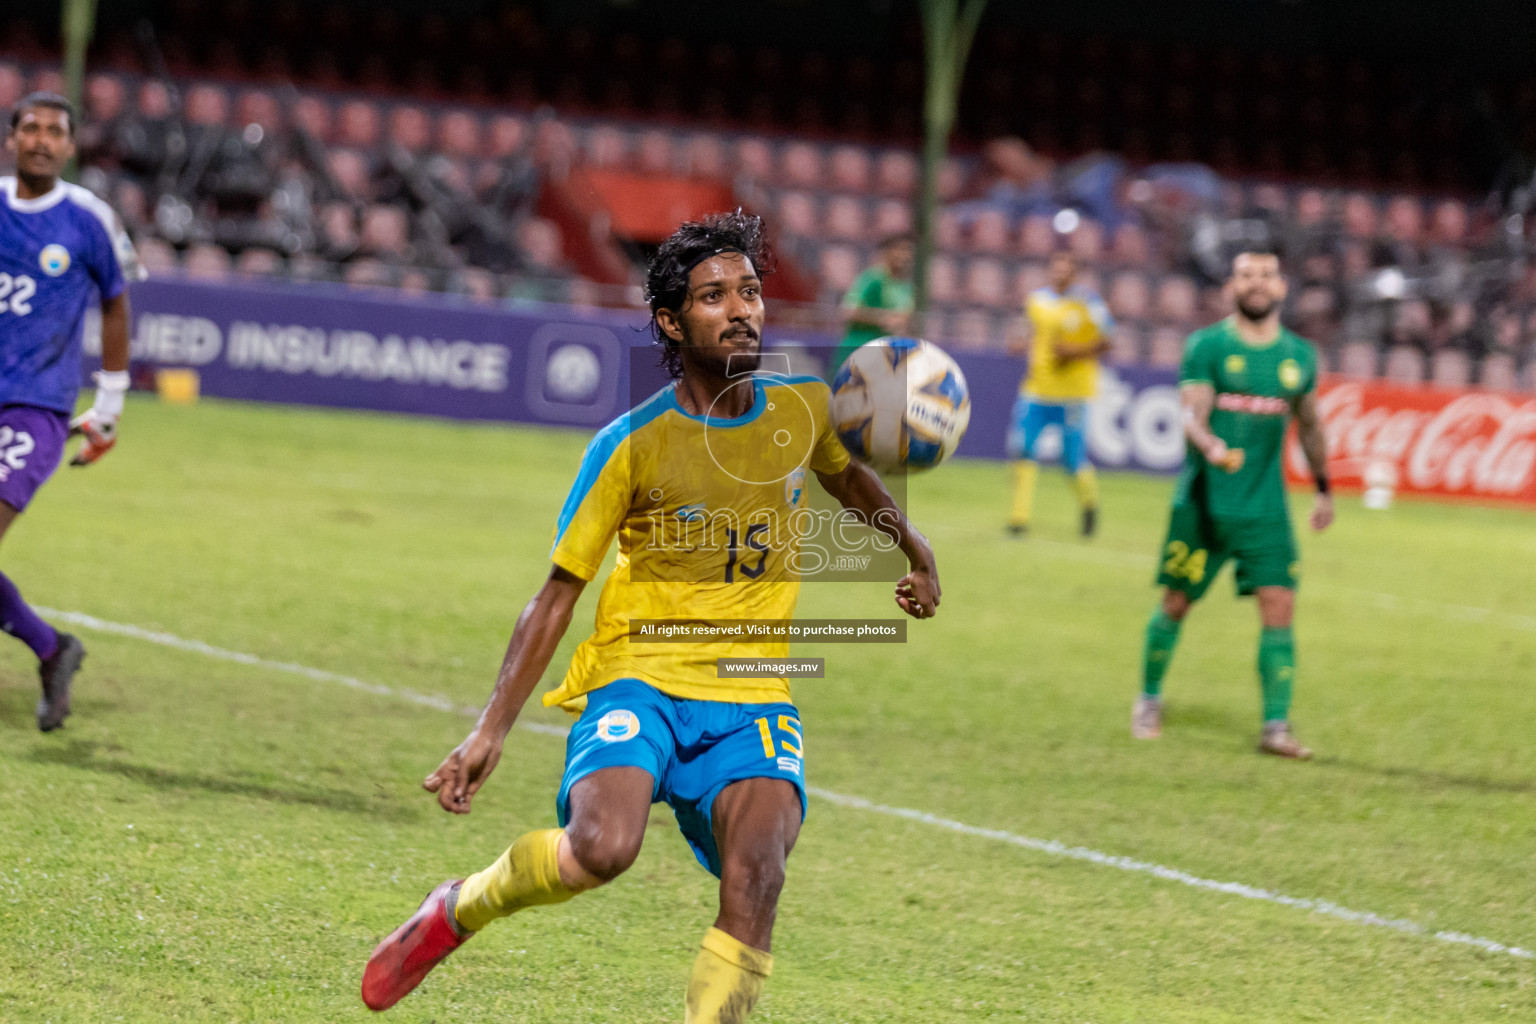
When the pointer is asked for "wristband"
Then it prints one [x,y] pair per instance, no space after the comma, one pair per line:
[110,387]
[1322,484]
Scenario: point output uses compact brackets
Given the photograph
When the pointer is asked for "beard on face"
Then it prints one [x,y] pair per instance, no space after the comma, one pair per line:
[729,362]
[1255,307]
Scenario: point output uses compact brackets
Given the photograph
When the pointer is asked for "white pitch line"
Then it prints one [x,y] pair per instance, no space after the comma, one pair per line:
[1050,847]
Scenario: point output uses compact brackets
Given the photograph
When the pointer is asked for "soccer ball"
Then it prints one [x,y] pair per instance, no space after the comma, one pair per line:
[900,404]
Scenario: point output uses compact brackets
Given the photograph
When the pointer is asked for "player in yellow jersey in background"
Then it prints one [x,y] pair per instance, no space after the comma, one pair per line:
[1067,329]
[698,484]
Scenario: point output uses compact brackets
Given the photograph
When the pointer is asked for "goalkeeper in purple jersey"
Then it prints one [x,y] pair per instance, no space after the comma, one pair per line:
[1240,383]
[60,249]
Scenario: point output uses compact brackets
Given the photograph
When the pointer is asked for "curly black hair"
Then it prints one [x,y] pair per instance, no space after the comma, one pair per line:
[666,276]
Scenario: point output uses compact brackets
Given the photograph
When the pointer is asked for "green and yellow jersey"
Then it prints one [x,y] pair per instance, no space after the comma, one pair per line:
[705,512]
[875,288]
[1074,318]
[1256,388]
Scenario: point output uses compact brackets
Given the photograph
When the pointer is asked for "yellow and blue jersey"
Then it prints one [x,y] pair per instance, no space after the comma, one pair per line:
[1077,317]
[704,511]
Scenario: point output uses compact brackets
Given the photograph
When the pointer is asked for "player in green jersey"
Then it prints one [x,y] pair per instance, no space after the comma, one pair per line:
[879,303]
[1241,381]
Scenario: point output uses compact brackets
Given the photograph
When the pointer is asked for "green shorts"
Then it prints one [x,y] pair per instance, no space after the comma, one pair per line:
[1198,545]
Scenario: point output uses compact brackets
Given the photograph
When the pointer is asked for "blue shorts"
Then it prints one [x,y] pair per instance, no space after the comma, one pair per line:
[692,748]
[1030,418]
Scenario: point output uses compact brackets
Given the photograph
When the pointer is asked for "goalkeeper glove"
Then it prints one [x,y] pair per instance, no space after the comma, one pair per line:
[98,424]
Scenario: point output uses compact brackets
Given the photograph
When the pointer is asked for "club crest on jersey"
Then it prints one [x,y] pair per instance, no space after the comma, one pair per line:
[1236,363]
[794,486]
[618,726]
[54,259]
[1290,375]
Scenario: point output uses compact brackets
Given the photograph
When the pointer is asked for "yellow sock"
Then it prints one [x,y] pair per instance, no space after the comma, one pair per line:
[527,875]
[727,978]
[1086,483]
[1024,473]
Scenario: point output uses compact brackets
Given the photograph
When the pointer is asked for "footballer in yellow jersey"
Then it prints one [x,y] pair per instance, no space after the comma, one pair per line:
[701,485]
[1068,330]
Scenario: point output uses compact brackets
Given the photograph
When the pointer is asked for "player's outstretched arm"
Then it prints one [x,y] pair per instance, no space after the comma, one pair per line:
[1198,400]
[860,490]
[534,639]
[1314,443]
[98,424]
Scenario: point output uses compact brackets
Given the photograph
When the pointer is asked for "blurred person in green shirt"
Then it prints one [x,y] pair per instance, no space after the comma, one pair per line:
[879,303]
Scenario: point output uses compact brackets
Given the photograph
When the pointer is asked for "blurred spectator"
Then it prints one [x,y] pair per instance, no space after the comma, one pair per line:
[880,301]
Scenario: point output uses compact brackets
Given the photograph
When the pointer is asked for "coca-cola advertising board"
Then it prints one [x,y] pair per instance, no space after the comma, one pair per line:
[1463,444]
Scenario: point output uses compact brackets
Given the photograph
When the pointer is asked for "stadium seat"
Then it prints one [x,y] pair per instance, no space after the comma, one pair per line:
[850,169]
[1357,360]
[1450,368]
[313,114]
[754,156]
[105,97]
[206,263]
[258,106]
[705,156]
[458,134]
[1129,248]
[1404,365]
[541,244]
[951,181]
[986,282]
[505,136]
[1528,376]
[156,257]
[801,165]
[892,217]
[358,125]
[1176,299]
[991,233]
[947,231]
[845,218]
[654,152]
[1125,343]
[410,128]
[385,231]
[943,279]
[606,146]
[971,330]
[367,273]
[1087,241]
[1359,216]
[896,173]
[12,85]
[1497,372]
[259,263]
[797,214]
[1036,236]
[1128,297]
[1165,347]
[838,265]
[1029,276]
[207,105]
[350,169]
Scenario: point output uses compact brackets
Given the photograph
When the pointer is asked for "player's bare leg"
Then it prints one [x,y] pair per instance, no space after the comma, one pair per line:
[1277,667]
[756,823]
[58,654]
[609,809]
[1162,636]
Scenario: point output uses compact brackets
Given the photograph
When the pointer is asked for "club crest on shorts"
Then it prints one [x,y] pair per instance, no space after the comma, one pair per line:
[618,726]
[54,259]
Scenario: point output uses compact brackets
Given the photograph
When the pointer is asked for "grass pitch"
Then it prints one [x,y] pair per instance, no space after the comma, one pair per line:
[208,841]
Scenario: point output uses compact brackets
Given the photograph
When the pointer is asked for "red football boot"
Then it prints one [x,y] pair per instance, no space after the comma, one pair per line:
[408,954]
